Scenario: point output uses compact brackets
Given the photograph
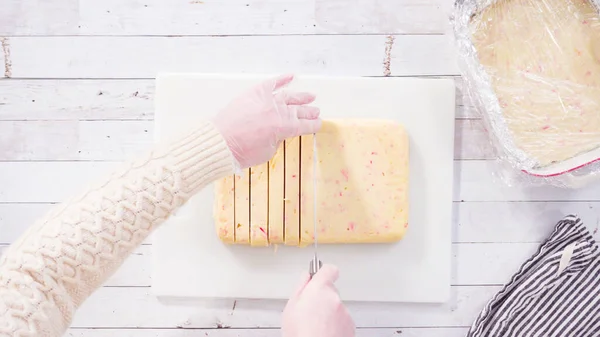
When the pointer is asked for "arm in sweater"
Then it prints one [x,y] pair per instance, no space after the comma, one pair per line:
[64,257]
[47,274]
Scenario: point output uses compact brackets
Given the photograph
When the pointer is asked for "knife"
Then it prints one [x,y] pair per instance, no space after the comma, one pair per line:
[315,263]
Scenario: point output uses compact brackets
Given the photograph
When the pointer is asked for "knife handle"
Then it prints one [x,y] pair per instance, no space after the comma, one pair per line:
[315,265]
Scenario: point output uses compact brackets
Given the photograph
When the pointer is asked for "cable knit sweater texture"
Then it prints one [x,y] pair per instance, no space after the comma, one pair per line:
[48,273]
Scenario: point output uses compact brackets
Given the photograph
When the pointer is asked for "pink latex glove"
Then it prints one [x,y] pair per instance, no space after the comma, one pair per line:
[255,123]
[316,310]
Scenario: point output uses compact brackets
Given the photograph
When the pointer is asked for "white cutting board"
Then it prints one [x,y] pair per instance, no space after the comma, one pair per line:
[191,263]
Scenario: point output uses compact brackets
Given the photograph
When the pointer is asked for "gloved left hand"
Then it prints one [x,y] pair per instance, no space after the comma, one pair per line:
[255,123]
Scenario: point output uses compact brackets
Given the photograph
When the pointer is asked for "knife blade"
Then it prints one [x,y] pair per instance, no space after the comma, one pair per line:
[315,264]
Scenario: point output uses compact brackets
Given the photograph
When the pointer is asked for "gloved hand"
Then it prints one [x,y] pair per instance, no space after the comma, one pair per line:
[255,123]
[316,310]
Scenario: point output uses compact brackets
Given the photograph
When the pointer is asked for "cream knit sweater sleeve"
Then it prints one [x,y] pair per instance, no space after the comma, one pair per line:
[65,256]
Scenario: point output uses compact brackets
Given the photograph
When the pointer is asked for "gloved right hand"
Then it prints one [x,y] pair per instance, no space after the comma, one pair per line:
[316,310]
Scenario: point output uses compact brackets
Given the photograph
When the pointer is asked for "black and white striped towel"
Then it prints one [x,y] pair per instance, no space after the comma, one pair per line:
[555,293]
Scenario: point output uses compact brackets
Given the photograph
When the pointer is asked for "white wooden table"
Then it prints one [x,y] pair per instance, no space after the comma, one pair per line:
[77,96]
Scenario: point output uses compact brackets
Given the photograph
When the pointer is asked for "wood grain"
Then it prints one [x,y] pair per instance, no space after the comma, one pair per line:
[462,94]
[232,17]
[500,260]
[477,180]
[80,99]
[99,99]
[174,332]
[144,57]
[49,181]
[467,112]
[472,140]
[139,308]
[5,58]
[517,222]
[121,140]
[31,17]
[76,99]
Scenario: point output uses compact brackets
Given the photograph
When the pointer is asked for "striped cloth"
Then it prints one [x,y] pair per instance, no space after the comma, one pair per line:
[555,293]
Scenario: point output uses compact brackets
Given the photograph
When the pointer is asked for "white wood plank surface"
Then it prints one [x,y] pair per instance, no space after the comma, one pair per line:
[500,260]
[38,17]
[49,181]
[231,17]
[472,141]
[76,98]
[87,100]
[517,222]
[5,59]
[137,307]
[383,332]
[74,140]
[144,57]
[120,140]
[480,180]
